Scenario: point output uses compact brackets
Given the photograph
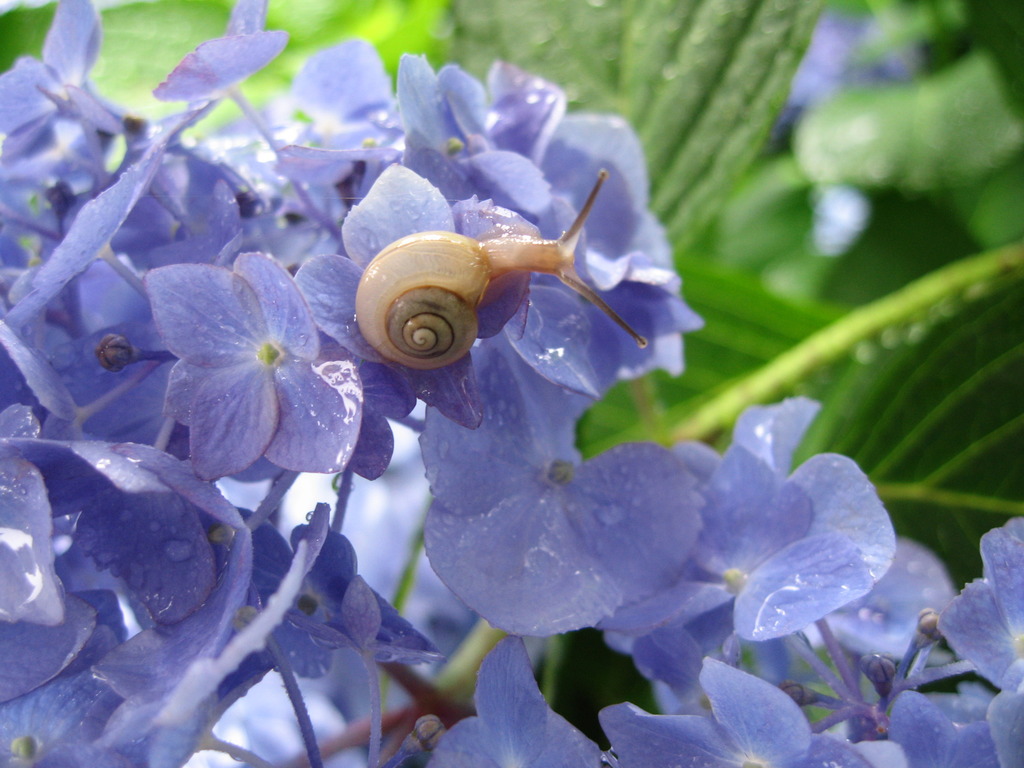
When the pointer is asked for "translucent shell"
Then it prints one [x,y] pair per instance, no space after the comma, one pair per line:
[416,303]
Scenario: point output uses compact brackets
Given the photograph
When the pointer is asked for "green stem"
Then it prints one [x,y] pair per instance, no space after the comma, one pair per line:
[408,578]
[458,678]
[949,499]
[968,278]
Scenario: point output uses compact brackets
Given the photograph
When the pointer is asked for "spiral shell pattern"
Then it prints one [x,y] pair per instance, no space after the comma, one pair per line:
[417,300]
[431,325]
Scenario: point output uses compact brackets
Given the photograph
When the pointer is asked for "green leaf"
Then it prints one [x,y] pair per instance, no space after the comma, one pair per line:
[906,238]
[990,208]
[764,229]
[701,81]
[835,342]
[143,42]
[999,26]
[946,130]
[22,32]
[745,328]
[934,413]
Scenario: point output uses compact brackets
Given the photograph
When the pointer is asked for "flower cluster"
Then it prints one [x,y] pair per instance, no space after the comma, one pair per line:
[181,315]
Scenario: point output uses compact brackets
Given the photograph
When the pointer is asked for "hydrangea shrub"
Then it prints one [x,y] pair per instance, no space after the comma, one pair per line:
[180,322]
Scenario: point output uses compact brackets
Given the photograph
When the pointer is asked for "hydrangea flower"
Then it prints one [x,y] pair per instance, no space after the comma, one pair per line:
[930,740]
[792,548]
[154,340]
[885,619]
[250,381]
[753,723]
[532,538]
[985,622]
[513,724]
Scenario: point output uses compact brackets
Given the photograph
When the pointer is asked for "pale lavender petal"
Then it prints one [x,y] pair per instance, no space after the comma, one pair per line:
[285,312]
[975,627]
[846,502]
[234,417]
[42,651]
[773,432]
[206,315]
[320,407]
[800,584]
[73,42]
[400,203]
[29,587]
[760,718]
[320,88]
[220,63]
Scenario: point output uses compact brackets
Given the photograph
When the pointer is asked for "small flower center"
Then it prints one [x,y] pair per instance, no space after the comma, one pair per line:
[269,353]
[735,580]
[24,748]
[243,617]
[307,604]
[455,146]
[755,764]
[1018,646]
[561,472]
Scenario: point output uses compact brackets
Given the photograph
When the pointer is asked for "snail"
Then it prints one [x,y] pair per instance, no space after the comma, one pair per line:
[417,300]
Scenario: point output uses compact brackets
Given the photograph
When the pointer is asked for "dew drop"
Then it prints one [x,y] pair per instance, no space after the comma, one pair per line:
[177,550]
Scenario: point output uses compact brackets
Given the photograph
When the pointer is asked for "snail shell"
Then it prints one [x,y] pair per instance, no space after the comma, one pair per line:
[418,298]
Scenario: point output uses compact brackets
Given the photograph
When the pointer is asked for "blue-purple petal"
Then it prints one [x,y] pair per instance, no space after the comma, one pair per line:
[319,409]
[35,653]
[73,42]
[743,523]
[329,283]
[22,101]
[642,740]
[206,315]
[400,203]
[800,584]
[322,90]
[220,63]
[637,508]
[419,100]
[1006,717]
[247,16]
[29,588]
[234,416]
[760,719]
[510,180]
[284,311]
[773,432]
[525,111]
[157,544]
[1003,557]
[975,627]
[466,100]
[846,502]
[555,341]
[360,613]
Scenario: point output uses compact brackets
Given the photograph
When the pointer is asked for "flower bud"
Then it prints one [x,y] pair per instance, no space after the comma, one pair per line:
[115,352]
[799,692]
[880,670]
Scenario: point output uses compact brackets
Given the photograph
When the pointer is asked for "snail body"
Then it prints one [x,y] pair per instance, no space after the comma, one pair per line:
[417,301]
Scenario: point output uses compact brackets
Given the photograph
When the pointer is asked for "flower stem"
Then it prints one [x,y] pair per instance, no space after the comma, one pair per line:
[291,687]
[239,754]
[459,675]
[969,278]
